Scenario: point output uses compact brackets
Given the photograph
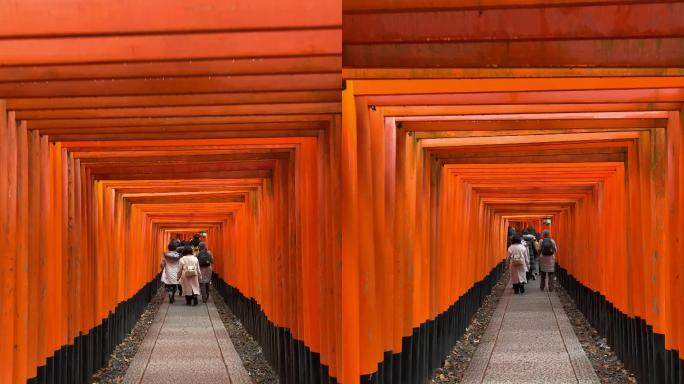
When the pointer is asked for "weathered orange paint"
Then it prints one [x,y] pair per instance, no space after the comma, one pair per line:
[381,5]
[81,17]
[119,149]
[528,23]
[612,181]
[282,84]
[350,232]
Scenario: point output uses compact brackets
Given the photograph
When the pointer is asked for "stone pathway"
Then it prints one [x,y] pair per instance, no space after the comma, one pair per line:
[530,340]
[187,345]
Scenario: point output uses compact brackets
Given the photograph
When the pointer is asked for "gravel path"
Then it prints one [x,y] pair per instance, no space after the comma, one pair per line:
[249,350]
[459,358]
[119,360]
[604,361]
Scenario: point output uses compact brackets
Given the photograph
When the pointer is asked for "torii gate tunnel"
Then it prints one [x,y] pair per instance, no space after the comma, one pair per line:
[354,164]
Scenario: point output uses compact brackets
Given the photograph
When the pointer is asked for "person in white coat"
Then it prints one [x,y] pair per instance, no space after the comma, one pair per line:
[189,274]
[518,263]
[169,266]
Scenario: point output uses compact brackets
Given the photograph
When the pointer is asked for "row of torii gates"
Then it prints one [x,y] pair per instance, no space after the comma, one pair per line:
[354,164]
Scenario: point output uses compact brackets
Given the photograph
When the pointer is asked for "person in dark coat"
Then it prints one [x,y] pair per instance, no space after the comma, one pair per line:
[511,233]
[206,260]
[547,260]
[529,241]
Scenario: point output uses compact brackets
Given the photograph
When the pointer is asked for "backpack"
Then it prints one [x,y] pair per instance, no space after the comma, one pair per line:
[547,247]
[517,259]
[537,246]
[204,259]
[190,271]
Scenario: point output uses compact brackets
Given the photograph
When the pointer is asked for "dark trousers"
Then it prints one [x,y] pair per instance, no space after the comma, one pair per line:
[191,299]
[171,289]
[544,276]
[204,288]
[519,288]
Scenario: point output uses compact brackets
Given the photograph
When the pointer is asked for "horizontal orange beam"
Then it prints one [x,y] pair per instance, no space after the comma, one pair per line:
[535,97]
[185,85]
[446,110]
[226,153]
[164,121]
[598,21]
[661,52]
[381,5]
[156,175]
[182,143]
[545,116]
[253,129]
[186,199]
[209,110]
[84,17]
[449,86]
[504,72]
[249,66]
[518,139]
[529,124]
[139,48]
[269,97]
[128,134]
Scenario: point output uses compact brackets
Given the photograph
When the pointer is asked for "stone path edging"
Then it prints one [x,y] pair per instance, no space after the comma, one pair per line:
[236,370]
[511,321]
[194,324]
[136,369]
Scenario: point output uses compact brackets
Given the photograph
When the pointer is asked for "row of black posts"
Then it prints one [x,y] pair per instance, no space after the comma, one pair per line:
[294,361]
[429,345]
[633,340]
[422,352]
[76,363]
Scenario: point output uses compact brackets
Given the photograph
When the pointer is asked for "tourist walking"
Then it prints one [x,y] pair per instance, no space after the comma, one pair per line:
[169,265]
[529,241]
[547,260]
[189,274]
[205,259]
[511,232]
[518,264]
[195,240]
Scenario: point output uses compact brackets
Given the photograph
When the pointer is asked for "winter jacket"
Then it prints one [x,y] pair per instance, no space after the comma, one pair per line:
[518,272]
[190,284]
[169,265]
[548,263]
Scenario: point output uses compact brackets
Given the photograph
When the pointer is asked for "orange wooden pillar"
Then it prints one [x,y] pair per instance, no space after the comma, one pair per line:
[7,221]
[22,277]
[17,316]
[351,248]
[674,265]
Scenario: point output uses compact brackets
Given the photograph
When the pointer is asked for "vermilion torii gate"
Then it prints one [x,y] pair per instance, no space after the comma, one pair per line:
[125,123]
[354,164]
[459,117]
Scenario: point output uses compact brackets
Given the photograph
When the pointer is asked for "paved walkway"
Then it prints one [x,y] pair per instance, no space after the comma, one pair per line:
[530,340]
[187,345]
